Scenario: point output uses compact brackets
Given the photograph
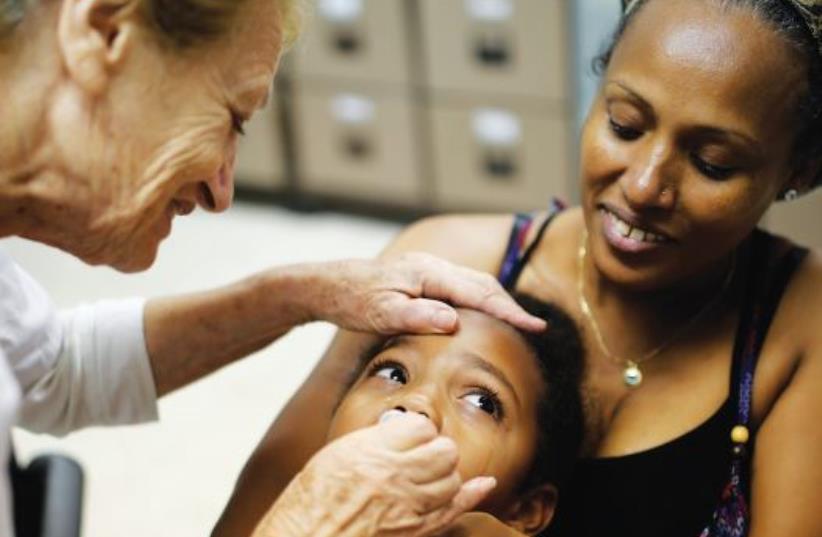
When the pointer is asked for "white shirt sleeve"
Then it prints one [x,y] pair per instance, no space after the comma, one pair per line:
[87,366]
[100,376]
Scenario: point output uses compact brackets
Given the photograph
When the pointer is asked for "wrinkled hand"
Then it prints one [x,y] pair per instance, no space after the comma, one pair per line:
[404,296]
[479,525]
[398,478]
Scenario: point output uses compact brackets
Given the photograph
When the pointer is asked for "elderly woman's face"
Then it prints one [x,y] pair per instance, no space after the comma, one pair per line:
[162,138]
[688,142]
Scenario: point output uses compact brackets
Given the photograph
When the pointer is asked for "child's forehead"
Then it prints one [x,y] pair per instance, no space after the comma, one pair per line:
[478,334]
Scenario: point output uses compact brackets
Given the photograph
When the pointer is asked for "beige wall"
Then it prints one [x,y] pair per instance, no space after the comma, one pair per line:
[800,220]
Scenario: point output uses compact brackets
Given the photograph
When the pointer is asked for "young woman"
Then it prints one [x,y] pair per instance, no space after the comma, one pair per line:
[704,371]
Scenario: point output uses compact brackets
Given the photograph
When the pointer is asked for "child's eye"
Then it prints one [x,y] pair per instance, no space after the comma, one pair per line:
[487,402]
[392,372]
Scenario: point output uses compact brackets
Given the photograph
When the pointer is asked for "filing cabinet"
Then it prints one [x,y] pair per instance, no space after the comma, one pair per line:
[801,219]
[260,155]
[357,143]
[505,156]
[497,47]
[360,40]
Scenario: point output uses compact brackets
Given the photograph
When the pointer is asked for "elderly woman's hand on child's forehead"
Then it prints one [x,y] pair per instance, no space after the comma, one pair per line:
[409,295]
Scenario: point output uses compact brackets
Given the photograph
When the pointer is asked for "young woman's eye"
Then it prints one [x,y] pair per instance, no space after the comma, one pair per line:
[391,372]
[487,402]
[624,132]
[237,124]
[711,171]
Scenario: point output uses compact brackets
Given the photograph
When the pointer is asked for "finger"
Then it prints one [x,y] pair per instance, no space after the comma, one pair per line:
[437,495]
[418,316]
[502,306]
[470,495]
[405,432]
[432,461]
[480,291]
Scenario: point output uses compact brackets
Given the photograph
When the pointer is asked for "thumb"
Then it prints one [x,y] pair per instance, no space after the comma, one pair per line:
[419,316]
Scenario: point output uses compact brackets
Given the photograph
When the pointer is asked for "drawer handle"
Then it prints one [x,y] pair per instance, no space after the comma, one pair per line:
[357,147]
[501,168]
[492,53]
[346,43]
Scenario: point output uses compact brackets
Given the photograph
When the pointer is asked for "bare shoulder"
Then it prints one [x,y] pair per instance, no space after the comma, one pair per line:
[806,295]
[801,308]
[477,241]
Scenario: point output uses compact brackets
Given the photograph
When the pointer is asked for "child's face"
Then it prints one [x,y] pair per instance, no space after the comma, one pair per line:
[480,387]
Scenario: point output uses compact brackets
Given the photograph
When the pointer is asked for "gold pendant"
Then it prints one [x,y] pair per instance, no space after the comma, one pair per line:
[631,375]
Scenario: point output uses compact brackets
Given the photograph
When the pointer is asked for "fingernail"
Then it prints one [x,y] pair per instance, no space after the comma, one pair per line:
[389,415]
[484,483]
[444,320]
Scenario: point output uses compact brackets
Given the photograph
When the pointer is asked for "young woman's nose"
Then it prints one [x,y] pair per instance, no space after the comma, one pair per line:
[649,181]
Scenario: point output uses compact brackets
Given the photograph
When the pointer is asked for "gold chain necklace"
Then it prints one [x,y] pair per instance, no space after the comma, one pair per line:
[631,373]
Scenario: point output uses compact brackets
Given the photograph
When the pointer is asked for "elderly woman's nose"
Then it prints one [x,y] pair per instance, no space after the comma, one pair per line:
[649,181]
[218,191]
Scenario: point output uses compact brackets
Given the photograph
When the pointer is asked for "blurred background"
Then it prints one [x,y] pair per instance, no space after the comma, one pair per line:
[386,110]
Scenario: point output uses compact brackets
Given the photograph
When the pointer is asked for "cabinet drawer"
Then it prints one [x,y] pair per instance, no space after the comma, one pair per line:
[357,143]
[497,47]
[359,40]
[498,158]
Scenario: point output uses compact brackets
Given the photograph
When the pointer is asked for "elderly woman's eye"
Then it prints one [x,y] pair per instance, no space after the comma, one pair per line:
[487,401]
[623,132]
[237,123]
[391,372]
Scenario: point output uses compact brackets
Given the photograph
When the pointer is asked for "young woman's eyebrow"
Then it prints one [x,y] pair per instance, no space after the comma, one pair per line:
[477,361]
[717,132]
[639,99]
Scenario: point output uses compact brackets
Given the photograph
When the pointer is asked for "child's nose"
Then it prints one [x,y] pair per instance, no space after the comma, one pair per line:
[421,405]
[403,409]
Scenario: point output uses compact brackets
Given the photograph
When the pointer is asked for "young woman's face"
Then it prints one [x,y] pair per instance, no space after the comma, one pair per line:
[689,140]
[480,387]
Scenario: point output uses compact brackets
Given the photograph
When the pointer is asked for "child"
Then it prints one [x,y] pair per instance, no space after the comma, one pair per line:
[509,400]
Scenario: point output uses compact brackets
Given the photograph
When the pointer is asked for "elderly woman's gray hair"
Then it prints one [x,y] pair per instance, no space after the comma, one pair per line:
[183,23]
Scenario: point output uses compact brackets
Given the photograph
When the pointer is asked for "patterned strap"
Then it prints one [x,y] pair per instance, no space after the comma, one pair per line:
[516,240]
[516,253]
[764,290]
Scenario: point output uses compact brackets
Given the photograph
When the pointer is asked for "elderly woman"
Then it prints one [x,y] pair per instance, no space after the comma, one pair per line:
[118,116]
[708,112]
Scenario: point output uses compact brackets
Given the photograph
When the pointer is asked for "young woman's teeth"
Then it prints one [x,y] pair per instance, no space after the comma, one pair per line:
[629,232]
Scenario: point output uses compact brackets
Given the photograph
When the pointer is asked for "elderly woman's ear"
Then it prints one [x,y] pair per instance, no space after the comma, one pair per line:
[94,37]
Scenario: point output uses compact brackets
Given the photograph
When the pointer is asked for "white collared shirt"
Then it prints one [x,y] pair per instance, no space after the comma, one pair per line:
[60,372]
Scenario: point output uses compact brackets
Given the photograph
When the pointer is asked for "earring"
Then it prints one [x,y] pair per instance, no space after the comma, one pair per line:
[790,194]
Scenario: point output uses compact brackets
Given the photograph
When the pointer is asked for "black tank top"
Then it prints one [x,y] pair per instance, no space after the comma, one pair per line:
[696,485]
